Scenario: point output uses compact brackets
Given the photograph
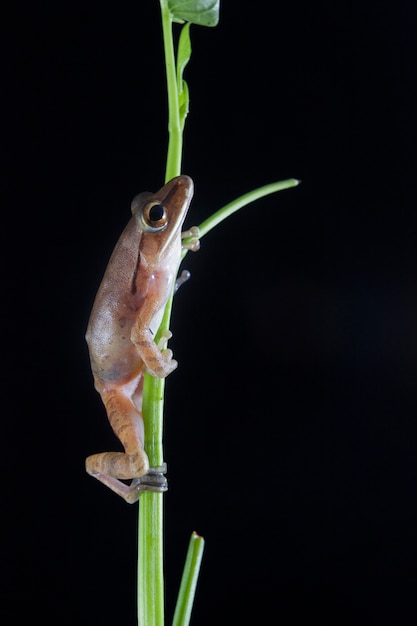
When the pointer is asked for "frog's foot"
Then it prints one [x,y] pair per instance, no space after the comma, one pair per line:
[166,366]
[191,239]
[185,275]
[163,340]
[158,363]
[153,480]
[169,364]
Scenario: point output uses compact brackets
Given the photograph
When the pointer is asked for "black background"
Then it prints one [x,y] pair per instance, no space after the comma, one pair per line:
[291,423]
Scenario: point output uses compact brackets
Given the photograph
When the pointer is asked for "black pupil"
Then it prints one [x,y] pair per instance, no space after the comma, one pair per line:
[156,212]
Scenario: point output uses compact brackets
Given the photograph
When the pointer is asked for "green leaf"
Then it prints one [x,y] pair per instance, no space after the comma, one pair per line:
[183,99]
[201,12]
[184,51]
[183,56]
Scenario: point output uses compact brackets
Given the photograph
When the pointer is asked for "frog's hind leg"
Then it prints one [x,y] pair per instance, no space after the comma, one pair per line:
[111,467]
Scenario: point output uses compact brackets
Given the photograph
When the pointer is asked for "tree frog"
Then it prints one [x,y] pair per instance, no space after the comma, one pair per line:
[126,315]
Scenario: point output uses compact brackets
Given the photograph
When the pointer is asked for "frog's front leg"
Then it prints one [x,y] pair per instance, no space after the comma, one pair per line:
[159,363]
[111,468]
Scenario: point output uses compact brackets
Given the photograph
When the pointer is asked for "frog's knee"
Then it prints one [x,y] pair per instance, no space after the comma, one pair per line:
[138,464]
[118,464]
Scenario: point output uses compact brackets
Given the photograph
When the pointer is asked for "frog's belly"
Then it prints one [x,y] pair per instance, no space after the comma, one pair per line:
[121,370]
[114,358]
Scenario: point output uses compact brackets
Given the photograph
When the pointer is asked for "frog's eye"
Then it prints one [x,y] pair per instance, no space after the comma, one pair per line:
[155,216]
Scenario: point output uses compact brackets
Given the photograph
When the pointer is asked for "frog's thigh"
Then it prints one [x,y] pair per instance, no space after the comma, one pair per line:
[127,423]
[125,419]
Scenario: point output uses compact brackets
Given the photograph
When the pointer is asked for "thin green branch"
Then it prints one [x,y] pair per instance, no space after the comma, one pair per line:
[230,208]
[242,201]
[189,579]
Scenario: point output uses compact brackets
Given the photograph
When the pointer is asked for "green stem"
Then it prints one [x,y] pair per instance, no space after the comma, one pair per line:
[173,166]
[150,561]
[150,523]
[150,530]
[150,526]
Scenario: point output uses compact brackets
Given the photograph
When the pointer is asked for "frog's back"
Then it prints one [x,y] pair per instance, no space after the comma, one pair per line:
[114,311]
